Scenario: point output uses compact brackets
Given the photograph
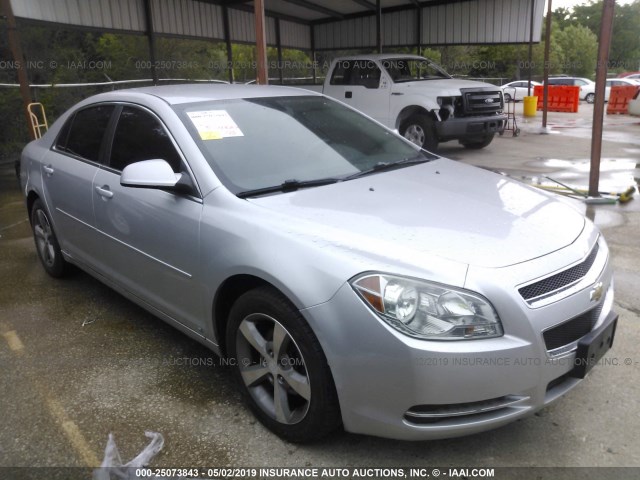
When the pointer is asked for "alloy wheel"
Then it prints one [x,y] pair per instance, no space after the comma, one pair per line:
[44,238]
[273,369]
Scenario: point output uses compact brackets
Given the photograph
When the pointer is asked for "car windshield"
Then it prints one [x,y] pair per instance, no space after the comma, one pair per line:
[412,69]
[258,143]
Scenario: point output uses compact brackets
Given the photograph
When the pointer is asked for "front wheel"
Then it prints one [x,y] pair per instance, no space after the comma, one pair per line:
[420,129]
[46,242]
[280,367]
[477,144]
[590,98]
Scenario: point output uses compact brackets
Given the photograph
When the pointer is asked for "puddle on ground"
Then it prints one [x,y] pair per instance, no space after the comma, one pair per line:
[616,174]
[604,218]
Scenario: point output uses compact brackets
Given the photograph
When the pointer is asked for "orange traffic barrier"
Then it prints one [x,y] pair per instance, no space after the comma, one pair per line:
[562,98]
[619,99]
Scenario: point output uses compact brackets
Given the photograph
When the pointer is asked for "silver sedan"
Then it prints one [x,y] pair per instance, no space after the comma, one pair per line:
[350,277]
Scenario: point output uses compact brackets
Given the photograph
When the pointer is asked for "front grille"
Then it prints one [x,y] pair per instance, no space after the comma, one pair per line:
[481,102]
[560,280]
[572,330]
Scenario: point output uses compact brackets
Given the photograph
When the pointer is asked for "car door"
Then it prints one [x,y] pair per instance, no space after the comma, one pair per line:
[371,90]
[357,83]
[68,172]
[339,86]
[150,236]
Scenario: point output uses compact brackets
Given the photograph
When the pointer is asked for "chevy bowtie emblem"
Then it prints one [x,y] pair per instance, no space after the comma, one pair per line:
[596,292]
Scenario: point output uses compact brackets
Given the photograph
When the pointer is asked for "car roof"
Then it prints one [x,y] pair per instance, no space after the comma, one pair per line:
[563,77]
[191,93]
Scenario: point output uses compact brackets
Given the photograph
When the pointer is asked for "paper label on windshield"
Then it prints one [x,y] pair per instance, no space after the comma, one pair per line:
[215,124]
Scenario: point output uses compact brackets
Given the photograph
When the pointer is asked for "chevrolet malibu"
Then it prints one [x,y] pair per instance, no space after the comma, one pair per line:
[350,277]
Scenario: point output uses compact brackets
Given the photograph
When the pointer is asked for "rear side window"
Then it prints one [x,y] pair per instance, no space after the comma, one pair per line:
[83,133]
[356,72]
[140,136]
[560,81]
[342,73]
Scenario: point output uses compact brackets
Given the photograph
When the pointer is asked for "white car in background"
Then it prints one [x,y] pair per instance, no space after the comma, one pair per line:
[634,105]
[517,90]
[587,87]
[619,82]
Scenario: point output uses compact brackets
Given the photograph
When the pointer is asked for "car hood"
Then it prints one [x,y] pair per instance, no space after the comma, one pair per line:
[442,208]
[449,87]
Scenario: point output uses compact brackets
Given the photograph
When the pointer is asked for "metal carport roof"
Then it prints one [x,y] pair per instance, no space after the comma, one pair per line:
[305,24]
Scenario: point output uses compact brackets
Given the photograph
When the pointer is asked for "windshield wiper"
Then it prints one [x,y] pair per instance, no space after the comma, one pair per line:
[288,186]
[383,166]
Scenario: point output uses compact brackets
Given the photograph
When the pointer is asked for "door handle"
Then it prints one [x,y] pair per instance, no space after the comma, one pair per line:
[104,192]
[48,169]
[348,94]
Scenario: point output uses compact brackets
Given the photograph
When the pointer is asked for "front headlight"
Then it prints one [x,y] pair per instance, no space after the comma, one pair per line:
[428,310]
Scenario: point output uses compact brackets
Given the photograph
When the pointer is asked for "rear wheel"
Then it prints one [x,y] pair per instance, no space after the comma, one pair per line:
[507,98]
[480,142]
[46,241]
[420,129]
[280,367]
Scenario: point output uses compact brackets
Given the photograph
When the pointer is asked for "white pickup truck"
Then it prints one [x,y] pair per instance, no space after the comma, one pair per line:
[419,99]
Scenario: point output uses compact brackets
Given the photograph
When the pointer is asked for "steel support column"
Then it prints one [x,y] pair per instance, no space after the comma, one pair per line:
[19,59]
[262,76]
[279,49]
[604,43]
[151,36]
[227,41]
[419,29]
[313,52]
[378,26]
[530,73]
[547,50]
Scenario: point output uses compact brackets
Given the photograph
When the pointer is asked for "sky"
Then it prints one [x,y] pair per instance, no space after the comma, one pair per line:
[572,3]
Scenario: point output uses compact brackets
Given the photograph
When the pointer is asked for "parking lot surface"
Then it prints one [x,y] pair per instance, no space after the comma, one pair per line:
[79,361]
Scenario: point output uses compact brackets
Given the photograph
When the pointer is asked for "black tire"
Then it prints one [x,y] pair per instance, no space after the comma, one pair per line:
[479,143]
[590,98]
[291,368]
[507,98]
[46,241]
[420,129]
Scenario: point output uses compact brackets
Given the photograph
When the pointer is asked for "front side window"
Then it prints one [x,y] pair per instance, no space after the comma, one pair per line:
[83,133]
[262,142]
[140,136]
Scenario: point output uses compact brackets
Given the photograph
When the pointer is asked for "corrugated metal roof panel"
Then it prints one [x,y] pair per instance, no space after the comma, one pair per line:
[400,28]
[295,35]
[108,14]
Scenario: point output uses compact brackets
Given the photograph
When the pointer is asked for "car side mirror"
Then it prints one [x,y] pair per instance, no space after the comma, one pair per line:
[149,174]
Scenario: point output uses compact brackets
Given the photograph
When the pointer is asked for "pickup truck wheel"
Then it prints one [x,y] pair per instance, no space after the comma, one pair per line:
[419,129]
[280,367]
[479,143]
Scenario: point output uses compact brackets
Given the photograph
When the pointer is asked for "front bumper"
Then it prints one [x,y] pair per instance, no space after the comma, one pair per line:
[474,127]
[394,386]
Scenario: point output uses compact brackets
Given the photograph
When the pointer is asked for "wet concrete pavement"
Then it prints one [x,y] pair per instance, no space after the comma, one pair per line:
[78,361]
